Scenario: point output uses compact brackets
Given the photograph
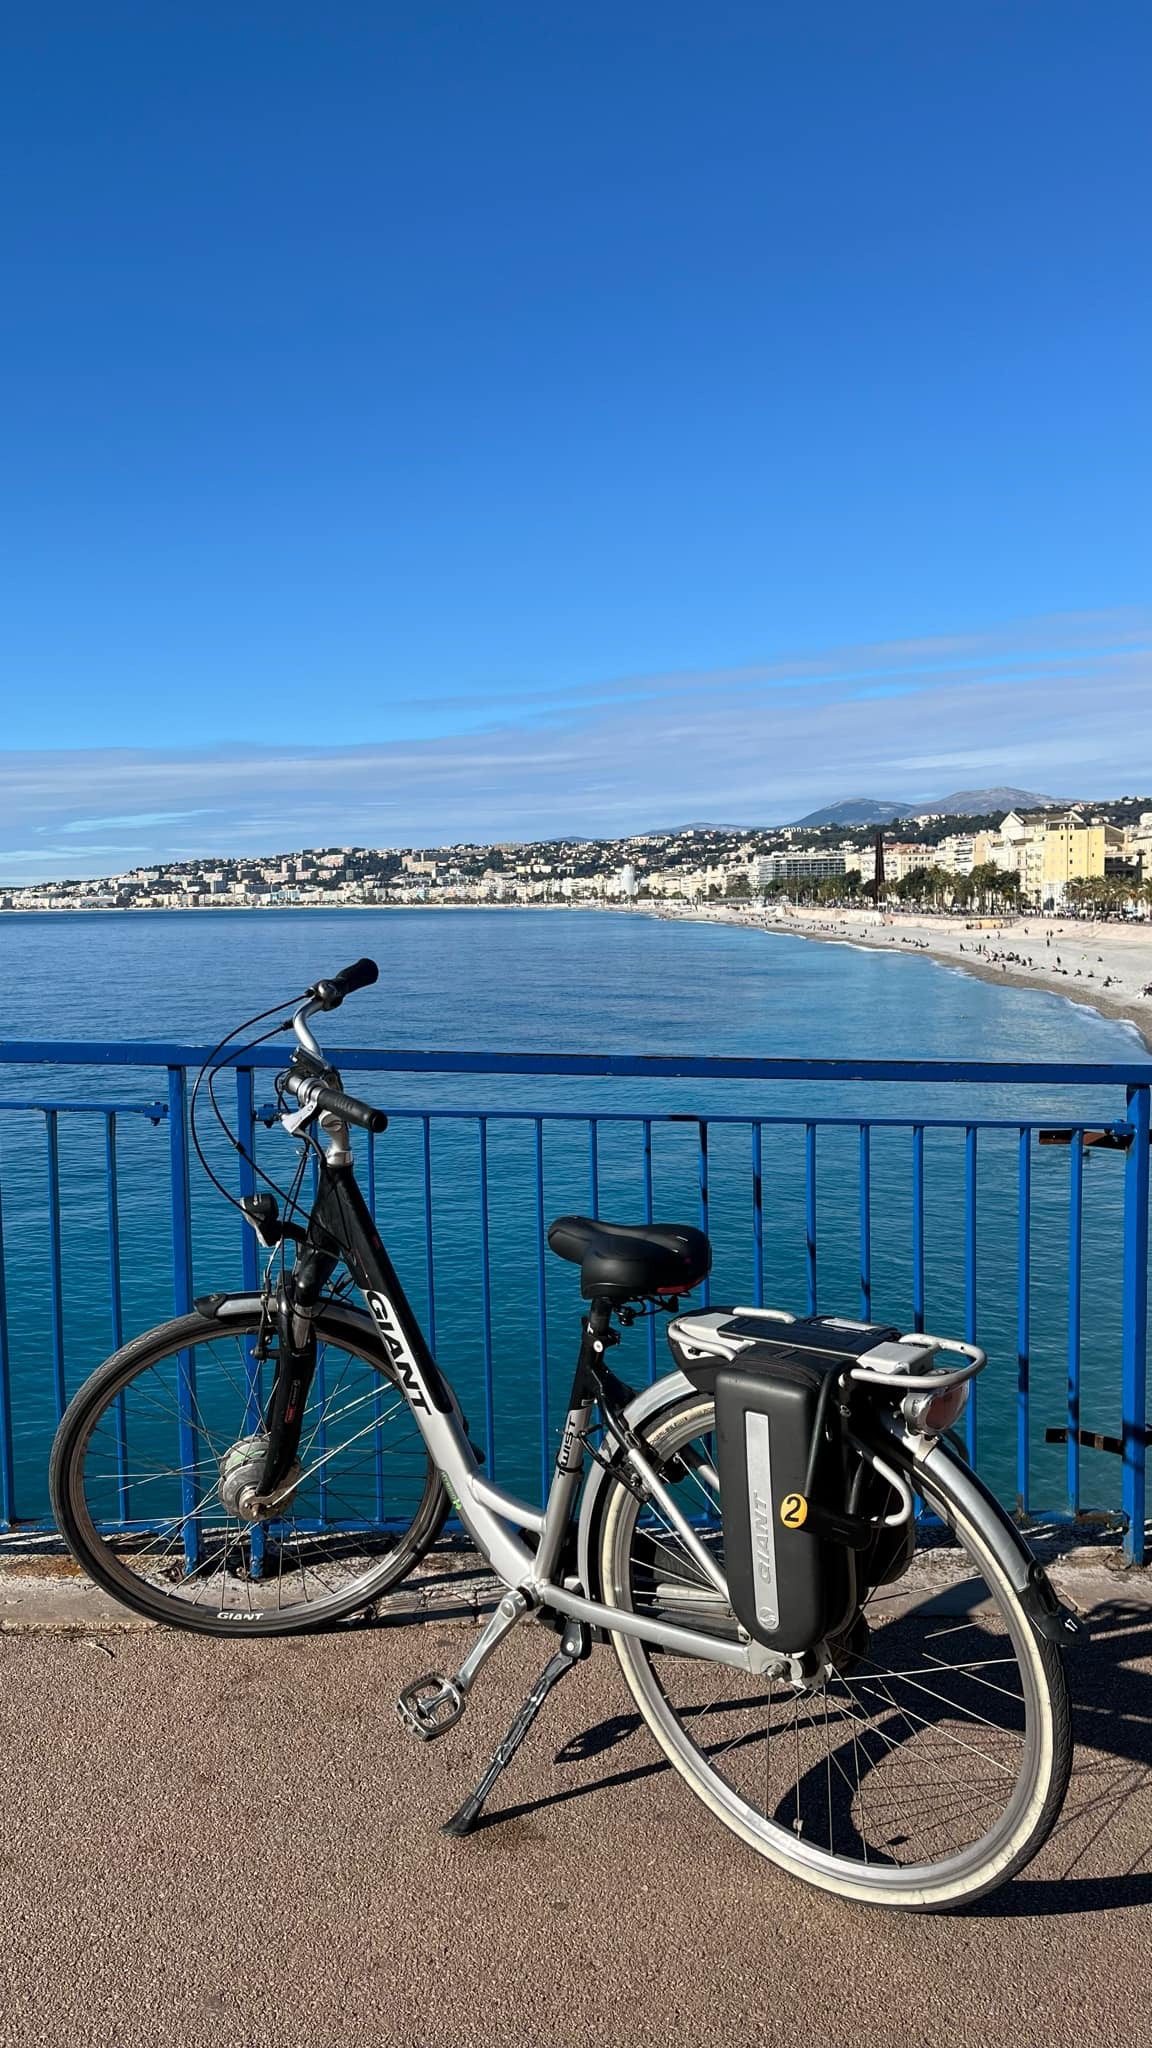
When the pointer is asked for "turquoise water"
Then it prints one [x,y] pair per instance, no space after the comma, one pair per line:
[564,982]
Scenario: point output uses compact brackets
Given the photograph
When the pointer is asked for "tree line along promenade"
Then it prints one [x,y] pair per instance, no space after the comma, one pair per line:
[1094,859]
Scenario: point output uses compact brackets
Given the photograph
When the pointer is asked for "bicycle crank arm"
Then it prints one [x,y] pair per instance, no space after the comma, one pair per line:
[432,1704]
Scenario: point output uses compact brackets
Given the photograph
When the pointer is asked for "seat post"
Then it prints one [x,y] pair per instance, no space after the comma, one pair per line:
[598,1337]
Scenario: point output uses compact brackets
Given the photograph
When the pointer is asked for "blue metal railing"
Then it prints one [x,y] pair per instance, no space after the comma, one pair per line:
[956,1222]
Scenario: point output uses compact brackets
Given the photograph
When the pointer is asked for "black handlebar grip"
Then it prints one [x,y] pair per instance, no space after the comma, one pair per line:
[347,1108]
[333,989]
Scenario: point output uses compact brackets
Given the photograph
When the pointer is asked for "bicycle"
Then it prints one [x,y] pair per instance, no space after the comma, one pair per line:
[740,1531]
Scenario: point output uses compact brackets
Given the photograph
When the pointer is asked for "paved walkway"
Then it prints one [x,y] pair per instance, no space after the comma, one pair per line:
[234,1843]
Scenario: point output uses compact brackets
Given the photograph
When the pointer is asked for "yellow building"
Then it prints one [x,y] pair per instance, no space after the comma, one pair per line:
[1048,853]
[1072,853]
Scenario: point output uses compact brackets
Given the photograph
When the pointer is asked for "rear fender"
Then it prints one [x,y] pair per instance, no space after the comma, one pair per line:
[1025,1572]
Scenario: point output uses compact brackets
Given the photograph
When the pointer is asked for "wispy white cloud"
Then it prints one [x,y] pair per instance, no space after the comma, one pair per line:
[1063,705]
[140,818]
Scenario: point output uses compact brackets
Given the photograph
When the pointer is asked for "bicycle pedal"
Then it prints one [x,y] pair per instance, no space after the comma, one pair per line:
[430,1706]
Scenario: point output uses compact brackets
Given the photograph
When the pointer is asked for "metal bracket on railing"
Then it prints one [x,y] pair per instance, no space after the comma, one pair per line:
[1091,1439]
[1113,1138]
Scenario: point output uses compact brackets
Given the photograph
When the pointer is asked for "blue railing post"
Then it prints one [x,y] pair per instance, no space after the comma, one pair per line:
[1134,1372]
[810,1212]
[55,1262]
[542,1315]
[246,1132]
[646,1128]
[1023,1316]
[182,1303]
[970,1272]
[249,1274]
[1075,1275]
[249,1250]
[116,1303]
[429,1235]
[486,1300]
[7,1475]
[702,1171]
[865,1223]
[918,1226]
[758,1215]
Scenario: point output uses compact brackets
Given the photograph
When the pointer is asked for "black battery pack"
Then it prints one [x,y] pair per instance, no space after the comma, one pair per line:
[791,1583]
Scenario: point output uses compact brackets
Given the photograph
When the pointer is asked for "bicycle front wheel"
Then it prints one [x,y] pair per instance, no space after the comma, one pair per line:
[927,1762]
[152,1454]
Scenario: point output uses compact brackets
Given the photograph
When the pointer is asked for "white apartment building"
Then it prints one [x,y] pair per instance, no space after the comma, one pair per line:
[957,853]
[1138,843]
[796,867]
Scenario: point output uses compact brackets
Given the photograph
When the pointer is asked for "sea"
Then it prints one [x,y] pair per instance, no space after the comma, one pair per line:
[783,1207]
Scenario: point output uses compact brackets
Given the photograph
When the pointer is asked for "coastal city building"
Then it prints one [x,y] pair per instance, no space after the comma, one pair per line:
[1049,852]
[1045,854]
[797,867]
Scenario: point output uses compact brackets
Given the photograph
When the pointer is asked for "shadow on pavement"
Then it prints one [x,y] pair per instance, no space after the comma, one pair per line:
[1100,1853]
[1102,1843]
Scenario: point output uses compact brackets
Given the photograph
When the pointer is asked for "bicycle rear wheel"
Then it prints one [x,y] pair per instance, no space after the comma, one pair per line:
[152,1452]
[923,1767]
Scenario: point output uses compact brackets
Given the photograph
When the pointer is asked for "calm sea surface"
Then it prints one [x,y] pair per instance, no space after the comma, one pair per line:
[563,982]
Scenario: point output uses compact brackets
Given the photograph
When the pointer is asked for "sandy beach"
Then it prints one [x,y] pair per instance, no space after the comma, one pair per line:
[1108,966]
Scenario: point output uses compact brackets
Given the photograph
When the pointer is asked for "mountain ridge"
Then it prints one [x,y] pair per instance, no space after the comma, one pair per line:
[960,803]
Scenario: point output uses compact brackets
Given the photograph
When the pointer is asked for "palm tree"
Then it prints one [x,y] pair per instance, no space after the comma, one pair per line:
[940,884]
[988,882]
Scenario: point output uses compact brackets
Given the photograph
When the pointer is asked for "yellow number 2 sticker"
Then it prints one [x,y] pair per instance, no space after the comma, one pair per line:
[793,1510]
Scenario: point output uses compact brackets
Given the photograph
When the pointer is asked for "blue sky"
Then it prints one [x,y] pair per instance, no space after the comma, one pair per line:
[437,420]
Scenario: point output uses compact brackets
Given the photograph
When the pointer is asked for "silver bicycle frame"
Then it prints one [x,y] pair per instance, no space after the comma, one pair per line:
[494,1518]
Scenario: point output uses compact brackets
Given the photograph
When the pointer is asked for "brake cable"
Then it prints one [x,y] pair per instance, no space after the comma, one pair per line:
[211,1067]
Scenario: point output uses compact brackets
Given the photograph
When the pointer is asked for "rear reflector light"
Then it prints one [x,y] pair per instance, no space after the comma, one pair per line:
[929,1414]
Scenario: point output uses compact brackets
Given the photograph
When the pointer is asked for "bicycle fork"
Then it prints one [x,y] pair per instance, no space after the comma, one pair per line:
[296,1299]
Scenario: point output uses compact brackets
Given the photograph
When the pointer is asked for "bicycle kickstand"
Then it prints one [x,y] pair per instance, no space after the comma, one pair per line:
[574,1644]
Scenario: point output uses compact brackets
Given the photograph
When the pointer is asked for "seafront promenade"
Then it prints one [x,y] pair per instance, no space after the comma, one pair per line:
[234,1842]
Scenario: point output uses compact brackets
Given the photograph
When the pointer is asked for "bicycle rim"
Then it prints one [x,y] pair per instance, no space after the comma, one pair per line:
[927,1765]
[153,1451]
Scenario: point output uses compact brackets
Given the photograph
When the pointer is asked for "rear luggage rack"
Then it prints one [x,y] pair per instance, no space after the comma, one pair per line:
[875,1354]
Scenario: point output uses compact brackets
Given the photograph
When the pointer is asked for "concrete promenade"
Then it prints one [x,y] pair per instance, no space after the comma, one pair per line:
[233,1842]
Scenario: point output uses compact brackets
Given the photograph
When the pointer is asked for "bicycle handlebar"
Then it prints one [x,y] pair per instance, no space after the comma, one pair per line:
[350,1110]
[330,993]
[313,1094]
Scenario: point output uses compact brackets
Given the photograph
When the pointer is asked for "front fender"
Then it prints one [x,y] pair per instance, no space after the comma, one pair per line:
[663,1393]
[221,1307]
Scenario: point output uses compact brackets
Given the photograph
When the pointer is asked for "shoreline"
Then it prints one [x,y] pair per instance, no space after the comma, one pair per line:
[1122,953]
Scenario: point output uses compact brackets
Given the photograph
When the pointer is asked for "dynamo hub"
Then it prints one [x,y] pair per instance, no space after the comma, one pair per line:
[241,1469]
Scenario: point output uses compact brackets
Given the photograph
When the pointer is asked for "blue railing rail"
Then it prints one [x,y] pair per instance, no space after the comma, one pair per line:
[1126,1123]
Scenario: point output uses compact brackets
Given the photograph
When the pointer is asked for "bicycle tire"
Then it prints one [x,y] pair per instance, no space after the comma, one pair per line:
[167,1596]
[952,1882]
